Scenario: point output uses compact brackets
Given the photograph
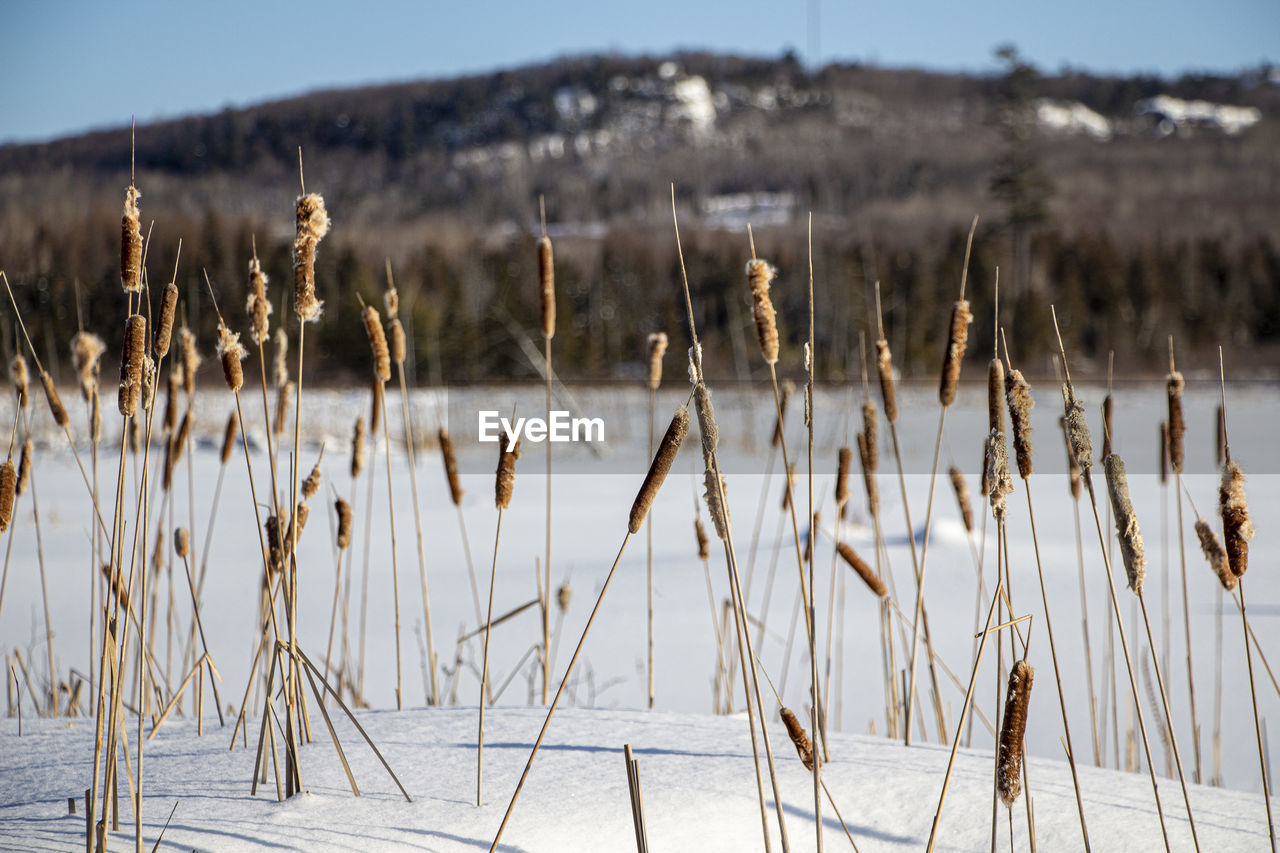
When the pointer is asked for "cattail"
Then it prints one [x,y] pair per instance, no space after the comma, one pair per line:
[391,301]
[135,436]
[313,224]
[164,329]
[788,388]
[1012,729]
[1220,436]
[713,489]
[397,341]
[59,411]
[95,417]
[658,470]
[1077,431]
[884,365]
[21,379]
[1237,529]
[300,513]
[804,747]
[1108,407]
[508,453]
[956,342]
[1215,554]
[344,523]
[759,274]
[1018,396]
[375,404]
[182,542]
[131,243]
[995,396]
[707,427]
[274,544]
[170,422]
[229,438]
[704,551]
[148,381]
[257,306]
[962,497]
[547,277]
[281,364]
[999,481]
[24,467]
[8,485]
[86,350]
[190,359]
[871,429]
[1164,452]
[378,343]
[184,433]
[284,404]
[657,349]
[170,460]
[869,476]
[1174,384]
[450,467]
[984,482]
[713,481]
[563,596]
[845,456]
[864,571]
[357,448]
[311,485]
[1073,469]
[232,352]
[160,554]
[1131,547]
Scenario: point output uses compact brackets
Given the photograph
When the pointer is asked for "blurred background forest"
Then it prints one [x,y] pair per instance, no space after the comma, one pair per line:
[1140,206]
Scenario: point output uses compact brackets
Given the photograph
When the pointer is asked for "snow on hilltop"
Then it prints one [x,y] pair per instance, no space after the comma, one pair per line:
[1072,118]
[1174,114]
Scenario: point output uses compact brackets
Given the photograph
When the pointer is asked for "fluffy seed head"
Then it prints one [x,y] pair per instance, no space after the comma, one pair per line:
[804,747]
[232,352]
[450,466]
[8,486]
[864,571]
[258,307]
[1012,730]
[1216,555]
[135,336]
[957,339]
[961,488]
[131,243]
[344,523]
[1237,528]
[658,470]
[657,349]
[24,466]
[377,343]
[999,481]
[547,278]
[311,485]
[1018,396]
[713,486]
[229,438]
[86,353]
[508,453]
[21,379]
[884,366]
[1131,545]
[391,301]
[357,448]
[397,341]
[1174,384]
[1073,469]
[1077,431]
[164,329]
[312,225]
[148,381]
[759,275]
[706,424]
[182,542]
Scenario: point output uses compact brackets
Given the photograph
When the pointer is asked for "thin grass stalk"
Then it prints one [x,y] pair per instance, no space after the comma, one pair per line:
[818,714]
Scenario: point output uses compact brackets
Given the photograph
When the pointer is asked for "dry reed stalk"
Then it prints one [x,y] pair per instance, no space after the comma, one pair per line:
[1237,528]
[659,469]
[759,275]
[312,226]
[19,374]
[131,243]
[1012,729]
[961,489]
[864,571]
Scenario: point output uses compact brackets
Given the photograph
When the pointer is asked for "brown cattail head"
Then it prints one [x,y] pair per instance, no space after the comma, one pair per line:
[868,476]
[135,436]
[275,545]
[164,328]
[788,388]
[1216,555]
[657,349]
[95,416]
[804,747]
[450,467]
[86,351]
[344,523]
[712,493]
[377,343]
[1174,384]
[8,486]
[229,438]
[313,224]
[659,468]
[301,511]
[999,481]
[995,396]
[311,485]
[508,453]
[864,571]
[131,243]
[884,366]
[1108,409]
[160,553]
[1018,395]
[135,337]
[871,429]
[984,483]
[182,542]
[547,277]
[1131,546]
[284,402]
[1237,528]
[706,423]
[957,339]
[170,422]
[397,341]
[704,552]
[1073,469]
[258,307]
[1012,729]
[170,460]
[1077,427]
[563,596]
[183,435]
[1220,436]
[375,404]
[24,466]
[759,275]
[357,448]
[232,352]
[1164,452]
[59,411]
[961,489]
[190,359]
[844,458]
[21,379]
[148,381]
[281,364]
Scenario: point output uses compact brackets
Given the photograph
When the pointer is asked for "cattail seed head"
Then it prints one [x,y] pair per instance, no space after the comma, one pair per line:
[86,351]
[1077,431]
[258,307]
[563,596]
[707,427]
[884,366]
[232,352]
[135,436]
[961,489]
[131,243]
[275,545]
[24,467]
[21,379]
[375,404]
[759,275]
[788,388]
[357,448]
[508,453]
[1018,396]
[1237,528]
[391,301]
[657,349]
[864,571]
[1131,546]
[184,434]
[659,468]
[957,340]
[281,364]
[377,343]
[284,402]
[170,422]
[869,476]
[1164,452]
[59,411]
[190,359]
[1220,436]
[182,542]
[313,224]
[160,553]
[1013,727]
[999,481]
[995,396]
[1174,384]
[984,484]
[8,486]
[871,429]
[397,341]
[148,381]
[547,278]
[311,485]
[704,552]
[1216,555]
[844,458]
[713,488]
[1073,469]
[229,438]
[344,523]
[170,460]
[95,416]
[164,329]
[1108,409]
[135,335]
[301,512]
[804,747]
[450,467]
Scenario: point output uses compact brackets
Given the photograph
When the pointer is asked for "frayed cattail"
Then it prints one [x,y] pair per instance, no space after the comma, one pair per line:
[658,470]
[148,381]
[706,423]
[1131,547]
[1012,729]
[804,747]
[258,307]
[1077,427]
[864,571]
[375,404]
[21,379]
[704,552]
[884,366]
[8,485]
[190,359]
[164,329]
[962,497]
[24,467]
[1018,396]
[281,364]
[759,274]
[1215,554]
[357,448]
[999,480]
[86,350]
[995,396]
[788,388]
[450,467]
[284,404]
[131,243]
[508,453]
[1237,529]
[170,422]
[845,457]
[229,438]
[657,349]
[135,336]
[301,511]
[182,542]
[1174,384]
[397,341]
[1108,407]
[547,277]
[391,301]
[563,596]
[377,343]
[957,339]
[311,485]
[713,488]
[313,224]
[344,523]
[232,352]
[871,429]
[59,411]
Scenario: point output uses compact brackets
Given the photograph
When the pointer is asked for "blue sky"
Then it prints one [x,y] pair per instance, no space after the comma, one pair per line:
[74,66]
